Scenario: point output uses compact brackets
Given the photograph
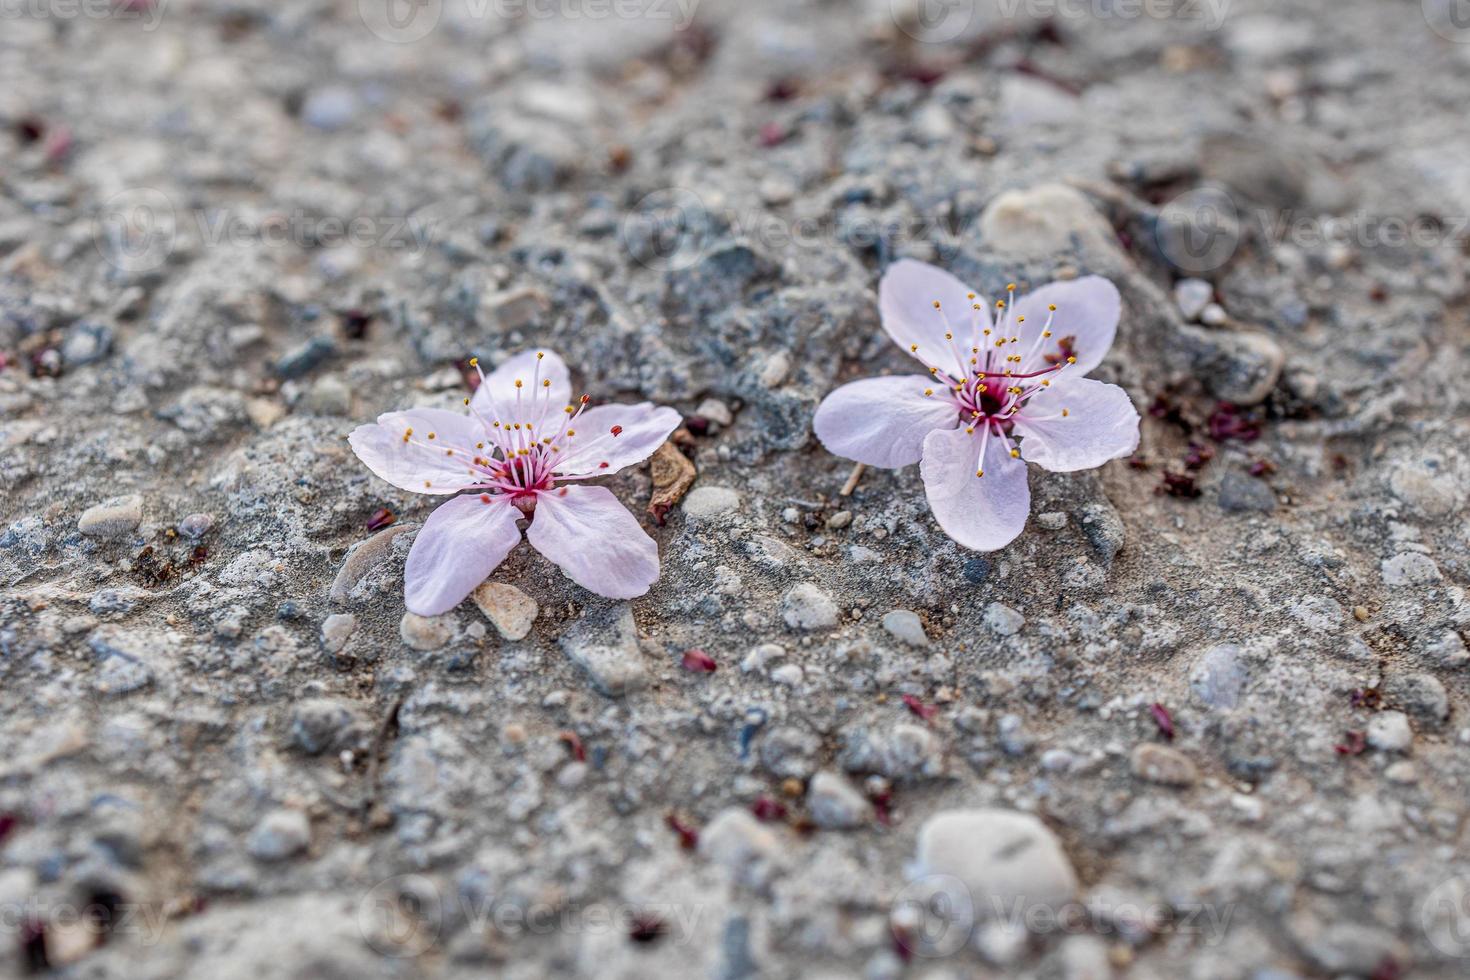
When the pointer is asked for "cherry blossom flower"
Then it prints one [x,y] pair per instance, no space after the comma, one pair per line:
[522,450]
[999,392]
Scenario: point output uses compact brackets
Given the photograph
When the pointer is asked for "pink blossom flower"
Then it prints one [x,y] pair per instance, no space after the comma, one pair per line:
[523,451]
[998,393]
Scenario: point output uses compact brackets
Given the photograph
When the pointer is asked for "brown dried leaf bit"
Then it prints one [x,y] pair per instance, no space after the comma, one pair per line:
[673,474]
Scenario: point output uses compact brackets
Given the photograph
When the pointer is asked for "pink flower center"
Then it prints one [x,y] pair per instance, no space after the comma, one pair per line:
[995,378]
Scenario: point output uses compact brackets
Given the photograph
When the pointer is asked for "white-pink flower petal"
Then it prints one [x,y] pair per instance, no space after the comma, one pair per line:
[426,450]
[1085,320]
[883,421]
[610,437]
[495,399]
[980,512]
[906,298]
[1099,424]
[593,538]
[457,548]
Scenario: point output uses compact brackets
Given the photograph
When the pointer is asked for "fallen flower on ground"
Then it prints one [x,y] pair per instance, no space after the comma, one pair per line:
[998,393]
[522,451]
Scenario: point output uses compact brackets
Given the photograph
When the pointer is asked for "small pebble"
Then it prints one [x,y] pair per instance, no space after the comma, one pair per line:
[425,632]
[279,835]
[510,610]
[836,804]
[1160,764]
[113,519]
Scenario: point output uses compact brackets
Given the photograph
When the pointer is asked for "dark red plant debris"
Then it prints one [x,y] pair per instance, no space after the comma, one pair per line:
[1379,293]
[1137,463]
[574,745]
[33,946]
[924,711]
[1198,456]
[1164,409]
[355,323]
[1262,467]
[699,662]
[1027,67]
[1066,347]
[1163,719]
[1388,968]
[1178,485]
[468,374]
[619,157]
[645,927]
[1367,697]
[768,810]
[903,943]
[199,555]
[105,910]
[783,90]
[1230,422]
[697,424]
[1354,743]
[382,517]
[59,144]
[688,836]
[773,134]
[882,801]
[28,129]
[7,824]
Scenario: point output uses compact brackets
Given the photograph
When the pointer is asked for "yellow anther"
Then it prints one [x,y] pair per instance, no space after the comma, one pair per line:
[1000,304]
[936,304]
[571,432]
[409,432]
[449,452]
[913,348]
[934,370]
[1046,382]
[928,391]
[466,401]
[539,355]
[427,483]
[1010,287]
[1052,307]
[1071,360]
[479,445]
[546,383]
[474,362]
[979,472]
[948,335]
[431,435]
[975,306]
[1046,333]
[1065,413]
[1015,454]
[569,410]
[969,296]
[969,430]
[518,382]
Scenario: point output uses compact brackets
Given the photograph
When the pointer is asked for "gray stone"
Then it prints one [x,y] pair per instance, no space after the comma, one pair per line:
[1236,367]
[905,626]
[1160,764]
[281,834]
[363,558]
[303,358]
[1001,857]
[1192,296]
[807,607]
[330,108]
[86,343]
[1389,731]
[836,804]
[1219,676]
[321,724]
[426,632]
[749,851]
[1044,221]
[116,518]
[1003,620]
[1409,569]
[1241,492]
[604,643]
[1422,695]
[336,630]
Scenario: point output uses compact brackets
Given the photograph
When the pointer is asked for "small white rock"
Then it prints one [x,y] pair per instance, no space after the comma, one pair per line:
[706,502]
[1003,620]
[425,632]
[807,607]
[836,804]
[1192,296]
[716,411]
[904,625]
[112,519]
[789,674]
[336,630]
[510,610]
[1389,731]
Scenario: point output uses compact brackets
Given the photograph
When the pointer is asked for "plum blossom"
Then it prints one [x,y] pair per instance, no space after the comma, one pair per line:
[999,392]
[522,451]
